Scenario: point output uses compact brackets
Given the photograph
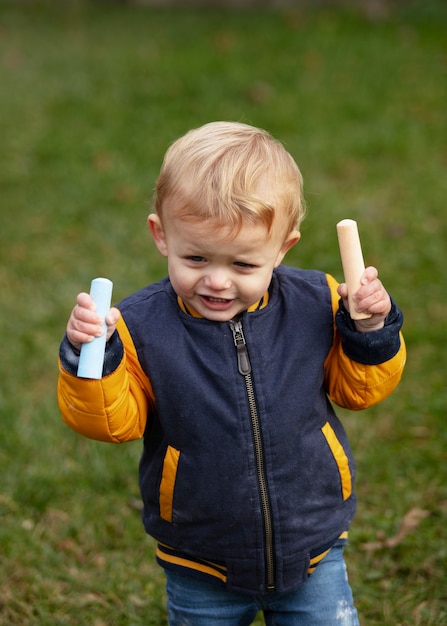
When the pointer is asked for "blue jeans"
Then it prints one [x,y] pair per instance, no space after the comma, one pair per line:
[325,599]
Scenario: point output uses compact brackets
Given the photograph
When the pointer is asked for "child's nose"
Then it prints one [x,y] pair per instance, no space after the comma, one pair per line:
[218,279]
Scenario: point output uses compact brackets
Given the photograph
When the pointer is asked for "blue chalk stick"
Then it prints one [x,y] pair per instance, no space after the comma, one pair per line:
[91,360]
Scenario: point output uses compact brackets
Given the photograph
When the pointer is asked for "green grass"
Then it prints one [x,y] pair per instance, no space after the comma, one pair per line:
[91,96]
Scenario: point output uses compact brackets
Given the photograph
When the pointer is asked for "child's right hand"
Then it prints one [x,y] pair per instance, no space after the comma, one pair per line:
[85,325]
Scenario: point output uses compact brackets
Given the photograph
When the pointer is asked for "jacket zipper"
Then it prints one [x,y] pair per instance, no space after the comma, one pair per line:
[244,367]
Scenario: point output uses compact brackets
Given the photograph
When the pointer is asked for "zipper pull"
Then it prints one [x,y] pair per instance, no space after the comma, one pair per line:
[243,360]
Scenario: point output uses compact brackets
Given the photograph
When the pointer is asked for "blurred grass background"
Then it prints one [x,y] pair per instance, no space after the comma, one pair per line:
[91,96]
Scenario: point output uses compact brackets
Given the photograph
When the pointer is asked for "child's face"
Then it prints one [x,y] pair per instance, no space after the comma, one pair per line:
[217,275]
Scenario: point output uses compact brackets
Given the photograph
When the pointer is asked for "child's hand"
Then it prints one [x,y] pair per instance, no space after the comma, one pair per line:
[84,324]
[370,298]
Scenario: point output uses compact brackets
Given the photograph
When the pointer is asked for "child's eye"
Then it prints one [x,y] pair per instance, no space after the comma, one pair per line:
[244,265]
[196,259]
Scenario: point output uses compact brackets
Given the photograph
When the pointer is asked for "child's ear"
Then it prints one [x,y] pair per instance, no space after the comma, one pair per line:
[158,233]
[292,238]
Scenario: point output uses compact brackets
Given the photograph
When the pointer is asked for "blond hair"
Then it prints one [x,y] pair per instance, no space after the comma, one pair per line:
[231,172]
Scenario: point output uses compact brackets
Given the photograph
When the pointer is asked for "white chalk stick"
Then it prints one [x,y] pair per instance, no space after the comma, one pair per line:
[352,262]
[91,360]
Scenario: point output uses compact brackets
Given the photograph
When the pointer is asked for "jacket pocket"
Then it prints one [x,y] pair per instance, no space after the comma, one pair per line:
[167,484]
[340,458]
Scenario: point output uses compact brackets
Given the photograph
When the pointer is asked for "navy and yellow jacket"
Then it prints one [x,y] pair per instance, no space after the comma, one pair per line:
[246,473]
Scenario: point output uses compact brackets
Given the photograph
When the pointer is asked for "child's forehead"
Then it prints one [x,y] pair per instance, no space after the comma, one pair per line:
[206,228]
[192,235]
[196,220]
[211,239]
[264,207]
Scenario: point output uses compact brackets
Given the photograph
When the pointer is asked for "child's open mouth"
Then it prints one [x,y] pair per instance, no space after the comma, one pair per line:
[218,304]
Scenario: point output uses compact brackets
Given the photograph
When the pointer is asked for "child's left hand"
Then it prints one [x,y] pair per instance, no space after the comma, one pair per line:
[371,298]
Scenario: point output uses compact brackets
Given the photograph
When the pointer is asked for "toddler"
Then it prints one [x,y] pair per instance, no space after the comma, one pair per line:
[227,369]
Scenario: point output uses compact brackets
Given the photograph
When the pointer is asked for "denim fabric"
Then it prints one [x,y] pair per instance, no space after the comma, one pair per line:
[325,599]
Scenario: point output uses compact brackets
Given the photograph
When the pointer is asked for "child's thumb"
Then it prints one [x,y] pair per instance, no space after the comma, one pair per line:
[112,317]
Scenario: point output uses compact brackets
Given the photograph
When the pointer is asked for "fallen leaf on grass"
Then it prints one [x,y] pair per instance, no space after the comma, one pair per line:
[91,598]
[410,522]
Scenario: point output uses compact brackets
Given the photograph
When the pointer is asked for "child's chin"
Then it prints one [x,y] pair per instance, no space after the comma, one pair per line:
[218,316]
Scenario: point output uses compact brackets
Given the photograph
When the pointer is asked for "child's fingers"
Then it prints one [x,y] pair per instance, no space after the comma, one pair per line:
[81,330]
[112,318]
[372,297]
[371,288]
[85,319]
[85,301]
[376,303]
[367,281]
[342,290]
[369,275]
[84,324]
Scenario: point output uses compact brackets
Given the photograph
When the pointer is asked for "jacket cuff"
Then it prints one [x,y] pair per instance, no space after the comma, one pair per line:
[114,353]
[371,348]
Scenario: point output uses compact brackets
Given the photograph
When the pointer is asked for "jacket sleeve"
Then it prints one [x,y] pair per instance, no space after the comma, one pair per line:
[112,409]
[363,369]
